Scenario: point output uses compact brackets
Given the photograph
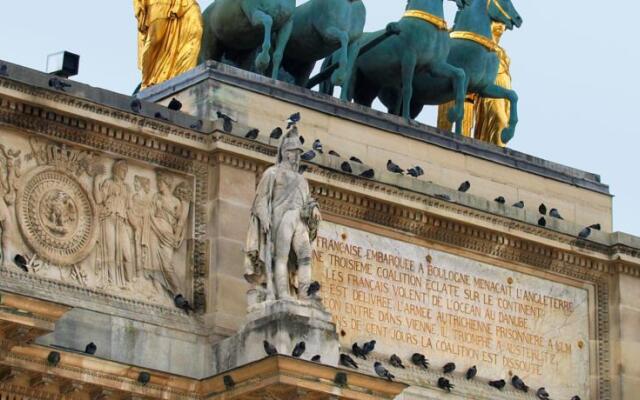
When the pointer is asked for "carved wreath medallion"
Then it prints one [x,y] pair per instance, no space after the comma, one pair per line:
[56,216]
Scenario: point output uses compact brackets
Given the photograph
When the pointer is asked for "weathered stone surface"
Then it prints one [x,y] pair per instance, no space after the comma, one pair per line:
[414,298]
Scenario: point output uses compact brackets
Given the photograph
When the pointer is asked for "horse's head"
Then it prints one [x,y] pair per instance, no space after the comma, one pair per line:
[505,12]
[463,3]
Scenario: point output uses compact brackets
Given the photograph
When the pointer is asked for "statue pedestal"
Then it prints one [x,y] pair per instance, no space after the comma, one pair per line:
[283,324]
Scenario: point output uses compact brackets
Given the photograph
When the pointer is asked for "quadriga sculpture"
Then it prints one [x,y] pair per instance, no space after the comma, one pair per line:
[320,28]
[423,44]
[473,50]
[236,29]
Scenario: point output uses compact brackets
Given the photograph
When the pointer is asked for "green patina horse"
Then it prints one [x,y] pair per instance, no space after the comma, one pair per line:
[320,28]
[473,51]
[237,29]
[423,44]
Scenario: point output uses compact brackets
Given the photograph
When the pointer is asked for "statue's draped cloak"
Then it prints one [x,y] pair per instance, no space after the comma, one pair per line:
[169,37]
[269,212]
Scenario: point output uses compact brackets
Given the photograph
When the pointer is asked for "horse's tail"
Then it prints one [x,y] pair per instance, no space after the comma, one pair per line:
[327,86]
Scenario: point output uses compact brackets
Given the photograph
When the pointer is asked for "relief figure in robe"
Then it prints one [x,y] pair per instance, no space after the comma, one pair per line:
[140,219]
[169,38]
[115,253]
[169,214]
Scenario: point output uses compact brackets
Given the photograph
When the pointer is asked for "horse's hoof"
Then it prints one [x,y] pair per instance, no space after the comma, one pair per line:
[262,62]
[507,135]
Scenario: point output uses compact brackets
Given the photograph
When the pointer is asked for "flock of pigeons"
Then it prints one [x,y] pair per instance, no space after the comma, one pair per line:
[417,359]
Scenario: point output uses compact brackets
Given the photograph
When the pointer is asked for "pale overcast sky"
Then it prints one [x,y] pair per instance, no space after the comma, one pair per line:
[574,64]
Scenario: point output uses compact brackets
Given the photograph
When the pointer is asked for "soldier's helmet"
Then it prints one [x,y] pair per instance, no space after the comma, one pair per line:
[291,141]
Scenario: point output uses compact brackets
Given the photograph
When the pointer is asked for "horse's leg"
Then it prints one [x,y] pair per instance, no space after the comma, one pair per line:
[333,34]
[409,61]
[498,92]
[459,83]
[281,43]
[354,51]
[258,17]
[364,91]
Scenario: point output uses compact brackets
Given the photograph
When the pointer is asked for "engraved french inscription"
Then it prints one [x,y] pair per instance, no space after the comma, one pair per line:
[415,299]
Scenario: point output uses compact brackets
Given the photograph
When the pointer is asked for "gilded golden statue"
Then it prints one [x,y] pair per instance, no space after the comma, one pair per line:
[169,38]
[485,117]
[492,115]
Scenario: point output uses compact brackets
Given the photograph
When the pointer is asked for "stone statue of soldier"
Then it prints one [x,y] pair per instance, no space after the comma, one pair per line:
[284,222]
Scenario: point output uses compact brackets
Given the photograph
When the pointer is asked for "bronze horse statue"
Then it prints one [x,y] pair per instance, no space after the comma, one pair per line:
[422,45]
[320,28]
[473,50]
[237,29]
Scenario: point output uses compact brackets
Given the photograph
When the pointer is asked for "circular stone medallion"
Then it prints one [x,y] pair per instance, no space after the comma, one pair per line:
[56,216]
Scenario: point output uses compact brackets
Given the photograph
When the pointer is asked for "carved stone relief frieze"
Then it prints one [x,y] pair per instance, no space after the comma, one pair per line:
[94,221]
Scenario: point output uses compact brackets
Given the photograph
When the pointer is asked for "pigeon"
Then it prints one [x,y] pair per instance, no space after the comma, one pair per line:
[392,167]
[340,379]
[252,134]
[472,372]
[369,174]
[555,214]
[358,352]
[175,105]
[347,361]
[575,398]
[313,288]
[334,153]
[91,349]
[3,70]
[299,350]
[464,187]
[449,368]
[346,167]
[136,106]
[21,262]
[293,119]
[276,133]
[597,227]
[542,209]
[58,84]
[317,146]
[519,204]
[227,122]
[416,171]
[197,125]
[316,358]
[160,116]
[542,222]
[368,347]
[396,361]
[444,384]
[500,200]
[355,160]
[542,394]
[519,384]
[269,348]
[182,303]
[302,169]
[420,360]
[229,383]
[53,358]
[499,384]
[585,233]
[144,378]
[308,156]
[382,371]
[444,197]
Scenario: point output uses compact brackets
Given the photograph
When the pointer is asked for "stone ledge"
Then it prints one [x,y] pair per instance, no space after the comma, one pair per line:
[366,116]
